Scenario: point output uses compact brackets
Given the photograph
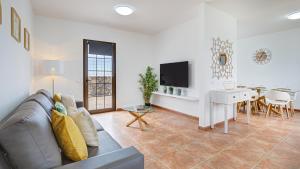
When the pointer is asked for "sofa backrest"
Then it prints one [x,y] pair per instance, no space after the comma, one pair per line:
[27,138]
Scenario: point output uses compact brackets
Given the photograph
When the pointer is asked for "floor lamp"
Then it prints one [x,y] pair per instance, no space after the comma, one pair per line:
[53,68]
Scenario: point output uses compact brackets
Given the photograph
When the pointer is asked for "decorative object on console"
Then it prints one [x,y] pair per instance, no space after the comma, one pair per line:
[53,68]
[26,39]
[15,25]
[262,56]
[222,59]
[165,89]
[148,84]
[179,91]
[171,90]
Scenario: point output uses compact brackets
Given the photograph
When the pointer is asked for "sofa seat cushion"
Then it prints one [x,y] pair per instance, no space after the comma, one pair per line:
[28,140]
[107,144]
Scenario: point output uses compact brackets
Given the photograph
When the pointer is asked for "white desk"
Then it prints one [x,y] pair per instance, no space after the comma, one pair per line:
[229,98]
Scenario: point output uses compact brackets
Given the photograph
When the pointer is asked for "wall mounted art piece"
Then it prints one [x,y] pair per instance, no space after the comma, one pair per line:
[222,52]
[15,25]
[26,39]
[0,12]
[262,56]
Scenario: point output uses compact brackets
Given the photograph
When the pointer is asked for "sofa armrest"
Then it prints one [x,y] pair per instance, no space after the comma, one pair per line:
[129,158]
[79,104]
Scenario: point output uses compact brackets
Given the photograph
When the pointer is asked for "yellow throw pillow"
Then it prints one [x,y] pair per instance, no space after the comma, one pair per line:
[57,97]
[69,137]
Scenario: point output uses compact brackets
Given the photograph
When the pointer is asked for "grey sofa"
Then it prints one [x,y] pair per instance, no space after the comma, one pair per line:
[27,142]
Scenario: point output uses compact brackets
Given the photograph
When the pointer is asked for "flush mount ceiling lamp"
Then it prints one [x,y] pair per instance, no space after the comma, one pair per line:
[124,10]
[294,16]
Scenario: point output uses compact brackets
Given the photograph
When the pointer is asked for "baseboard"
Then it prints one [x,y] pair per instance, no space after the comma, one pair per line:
[176,112]
[220,124]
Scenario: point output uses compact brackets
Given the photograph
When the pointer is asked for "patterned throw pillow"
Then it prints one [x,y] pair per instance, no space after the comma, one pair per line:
[60,108]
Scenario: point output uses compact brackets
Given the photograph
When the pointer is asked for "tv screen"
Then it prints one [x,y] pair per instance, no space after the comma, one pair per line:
[174,74]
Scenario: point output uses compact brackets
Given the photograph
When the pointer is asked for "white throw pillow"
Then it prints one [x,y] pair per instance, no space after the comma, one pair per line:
[85,124]
[69,102]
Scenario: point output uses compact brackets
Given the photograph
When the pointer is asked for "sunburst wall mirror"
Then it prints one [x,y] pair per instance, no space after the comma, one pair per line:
[262,56]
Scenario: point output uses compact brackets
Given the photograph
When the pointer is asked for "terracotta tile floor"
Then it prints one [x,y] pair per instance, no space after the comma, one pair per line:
[173,141]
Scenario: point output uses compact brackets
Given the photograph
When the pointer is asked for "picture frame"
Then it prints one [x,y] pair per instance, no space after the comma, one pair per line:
[15,25]
[0,12]
[26,39]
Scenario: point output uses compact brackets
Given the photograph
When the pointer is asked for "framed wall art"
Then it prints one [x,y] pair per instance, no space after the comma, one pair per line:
[0,12]
[26,39]
[15,25]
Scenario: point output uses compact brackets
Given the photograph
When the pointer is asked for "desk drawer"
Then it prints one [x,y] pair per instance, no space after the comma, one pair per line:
[244,96]
[233,98]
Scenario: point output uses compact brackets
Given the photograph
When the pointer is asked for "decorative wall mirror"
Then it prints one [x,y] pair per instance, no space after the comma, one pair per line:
[222,59]
[262,56]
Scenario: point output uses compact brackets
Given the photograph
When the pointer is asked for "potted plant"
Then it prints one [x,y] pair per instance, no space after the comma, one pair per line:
[148,84]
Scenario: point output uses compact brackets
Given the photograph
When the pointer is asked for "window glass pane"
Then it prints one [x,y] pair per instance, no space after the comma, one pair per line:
[108,65]
[100,64]
[91,63]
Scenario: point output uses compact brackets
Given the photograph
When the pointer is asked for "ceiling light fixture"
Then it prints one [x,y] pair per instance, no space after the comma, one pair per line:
[124,10]
[294,16]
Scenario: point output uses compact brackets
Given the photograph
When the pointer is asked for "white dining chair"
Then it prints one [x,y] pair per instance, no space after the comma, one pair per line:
[292,102]
[277,99]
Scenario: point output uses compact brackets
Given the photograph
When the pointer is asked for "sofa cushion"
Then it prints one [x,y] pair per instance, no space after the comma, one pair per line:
[107,144]
[44,102]
[4,163]
[45,93]
[28,140]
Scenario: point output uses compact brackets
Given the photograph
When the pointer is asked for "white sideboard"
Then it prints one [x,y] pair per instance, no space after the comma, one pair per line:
[228,98]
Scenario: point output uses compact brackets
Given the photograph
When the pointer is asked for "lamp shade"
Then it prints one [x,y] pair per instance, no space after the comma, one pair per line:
[53,67]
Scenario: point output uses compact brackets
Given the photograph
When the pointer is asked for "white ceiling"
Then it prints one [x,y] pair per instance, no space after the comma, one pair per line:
[260,16]
[151,16]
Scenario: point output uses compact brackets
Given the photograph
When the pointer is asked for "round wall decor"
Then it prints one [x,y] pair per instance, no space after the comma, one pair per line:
[262,56]
[222,59]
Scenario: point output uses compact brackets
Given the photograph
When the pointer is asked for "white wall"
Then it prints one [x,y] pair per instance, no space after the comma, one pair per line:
[180,43]
[15,60]
[192,41]
[284,67]
[216,24]
[61,39]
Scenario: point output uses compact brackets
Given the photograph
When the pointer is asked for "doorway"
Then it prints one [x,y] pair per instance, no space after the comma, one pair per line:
[99,76]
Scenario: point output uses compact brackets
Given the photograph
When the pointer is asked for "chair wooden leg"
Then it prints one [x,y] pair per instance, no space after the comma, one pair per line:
[256,107]
[268,110]
[287,111]
[292,109]
[238,107]
[281,112]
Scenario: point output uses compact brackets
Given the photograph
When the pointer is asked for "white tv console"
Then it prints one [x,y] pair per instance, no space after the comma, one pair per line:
[178,97]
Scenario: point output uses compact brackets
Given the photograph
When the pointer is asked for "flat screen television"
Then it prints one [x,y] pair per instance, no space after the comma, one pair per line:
[175,74]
